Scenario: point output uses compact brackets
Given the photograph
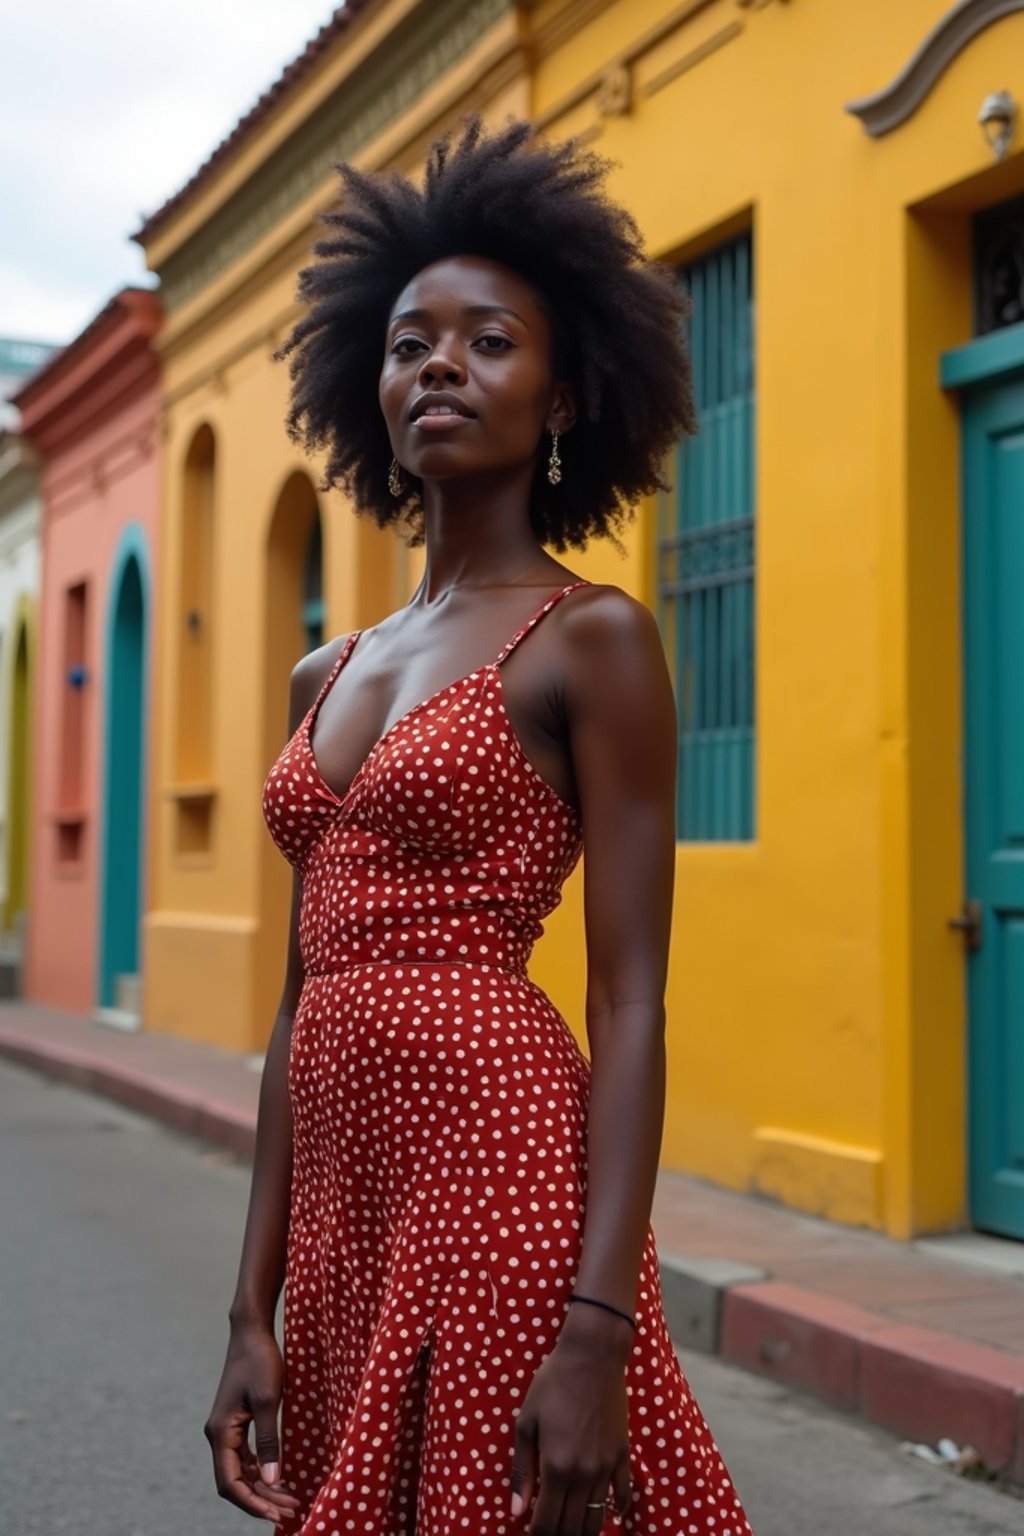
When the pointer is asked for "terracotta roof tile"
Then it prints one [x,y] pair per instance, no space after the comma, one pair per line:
[247,125]
[144,303]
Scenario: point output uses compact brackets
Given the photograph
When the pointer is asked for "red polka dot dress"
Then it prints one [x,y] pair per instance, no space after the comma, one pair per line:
[440,1110]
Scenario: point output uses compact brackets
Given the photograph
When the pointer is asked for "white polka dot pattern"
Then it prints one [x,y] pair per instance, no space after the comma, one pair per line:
[440,1111]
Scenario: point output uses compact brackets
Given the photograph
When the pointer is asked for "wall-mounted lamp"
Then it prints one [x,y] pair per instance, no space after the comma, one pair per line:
[998,118]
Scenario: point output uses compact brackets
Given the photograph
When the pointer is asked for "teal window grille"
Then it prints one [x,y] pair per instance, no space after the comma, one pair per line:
[313,587]
[706,557]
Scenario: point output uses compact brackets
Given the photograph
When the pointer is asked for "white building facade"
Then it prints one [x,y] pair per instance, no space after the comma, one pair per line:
[20,571]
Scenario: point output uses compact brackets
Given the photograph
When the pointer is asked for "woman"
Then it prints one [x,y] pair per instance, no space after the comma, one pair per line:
[474,1334]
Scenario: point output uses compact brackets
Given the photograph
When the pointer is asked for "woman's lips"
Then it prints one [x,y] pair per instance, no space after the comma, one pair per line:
[443,421]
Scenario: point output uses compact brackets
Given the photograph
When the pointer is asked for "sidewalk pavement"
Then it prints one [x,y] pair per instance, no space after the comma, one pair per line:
[925,1339]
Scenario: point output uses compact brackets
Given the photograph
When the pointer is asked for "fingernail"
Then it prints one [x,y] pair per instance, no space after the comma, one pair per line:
[270,1472]
[517,1505]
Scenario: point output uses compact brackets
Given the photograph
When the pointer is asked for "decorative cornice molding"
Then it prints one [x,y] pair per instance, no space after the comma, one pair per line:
[598,82]
[131,317]
[566,24]
[888,108]
[696,56]
[613,88]
[355,114]
[69,486]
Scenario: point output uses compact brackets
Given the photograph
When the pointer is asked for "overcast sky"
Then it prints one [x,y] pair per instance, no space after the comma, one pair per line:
[106,109]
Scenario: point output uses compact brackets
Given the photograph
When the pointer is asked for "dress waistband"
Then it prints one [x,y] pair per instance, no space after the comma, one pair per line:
[421,963]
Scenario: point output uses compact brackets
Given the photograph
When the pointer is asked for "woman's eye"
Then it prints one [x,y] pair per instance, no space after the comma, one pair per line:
[404,345]
[494,343]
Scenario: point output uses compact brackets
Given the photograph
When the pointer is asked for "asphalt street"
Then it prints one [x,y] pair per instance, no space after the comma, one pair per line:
[118,1247]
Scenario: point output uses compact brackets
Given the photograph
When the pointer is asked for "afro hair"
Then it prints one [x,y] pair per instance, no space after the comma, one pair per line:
[539,208]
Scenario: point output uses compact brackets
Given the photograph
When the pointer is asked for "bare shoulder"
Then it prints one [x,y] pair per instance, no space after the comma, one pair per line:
[309,675]
[619,706]
[602,625]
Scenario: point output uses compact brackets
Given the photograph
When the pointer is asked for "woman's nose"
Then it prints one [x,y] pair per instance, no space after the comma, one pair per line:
[442,363]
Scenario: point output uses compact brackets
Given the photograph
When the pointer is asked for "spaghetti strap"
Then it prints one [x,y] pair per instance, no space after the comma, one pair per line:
[545,607]
[329,680]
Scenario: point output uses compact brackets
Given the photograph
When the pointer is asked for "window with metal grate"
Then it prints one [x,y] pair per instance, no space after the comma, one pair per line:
[999,266]
[706,557]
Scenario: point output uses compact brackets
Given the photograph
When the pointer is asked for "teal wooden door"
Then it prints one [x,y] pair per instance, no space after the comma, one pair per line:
[993,504]
[122,861]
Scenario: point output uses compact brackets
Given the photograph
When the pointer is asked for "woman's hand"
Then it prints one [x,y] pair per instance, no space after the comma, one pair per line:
[572,1431]
[250,1392]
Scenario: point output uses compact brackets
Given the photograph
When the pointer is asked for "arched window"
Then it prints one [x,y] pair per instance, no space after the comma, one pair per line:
[76,705]
[194,641]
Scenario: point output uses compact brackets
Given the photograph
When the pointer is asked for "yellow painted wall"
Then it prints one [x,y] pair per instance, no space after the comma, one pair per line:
[218,904]
[211,910]
[816,1016]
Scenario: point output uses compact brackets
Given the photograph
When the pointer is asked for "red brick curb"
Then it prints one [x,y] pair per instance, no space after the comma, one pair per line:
[223,1124]
[913,1381]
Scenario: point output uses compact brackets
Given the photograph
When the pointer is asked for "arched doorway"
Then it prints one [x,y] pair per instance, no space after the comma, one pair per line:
[293,625]
[120,912]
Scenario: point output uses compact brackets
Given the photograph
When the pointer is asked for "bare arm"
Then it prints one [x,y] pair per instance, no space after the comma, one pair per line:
[623,731]
[261,1269]
[251,1382]
[572,1431]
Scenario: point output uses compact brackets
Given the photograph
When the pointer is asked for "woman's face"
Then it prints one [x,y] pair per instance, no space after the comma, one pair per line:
[466,387]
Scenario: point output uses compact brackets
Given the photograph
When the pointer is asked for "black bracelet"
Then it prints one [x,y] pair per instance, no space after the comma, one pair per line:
[574,1296]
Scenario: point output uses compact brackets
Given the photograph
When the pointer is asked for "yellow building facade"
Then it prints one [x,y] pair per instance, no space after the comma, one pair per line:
[820,1006]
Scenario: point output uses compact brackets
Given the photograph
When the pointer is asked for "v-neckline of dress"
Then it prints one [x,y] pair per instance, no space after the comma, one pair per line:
[311,717]
[489,668]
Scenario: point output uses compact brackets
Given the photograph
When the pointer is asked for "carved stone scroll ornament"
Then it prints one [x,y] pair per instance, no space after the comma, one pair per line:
[615,93]
[900,99]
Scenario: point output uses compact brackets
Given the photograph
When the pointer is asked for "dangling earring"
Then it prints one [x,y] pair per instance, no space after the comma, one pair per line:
[554,462]
[395,479]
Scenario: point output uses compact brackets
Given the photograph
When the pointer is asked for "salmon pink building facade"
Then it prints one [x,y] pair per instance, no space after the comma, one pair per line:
[92,415]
